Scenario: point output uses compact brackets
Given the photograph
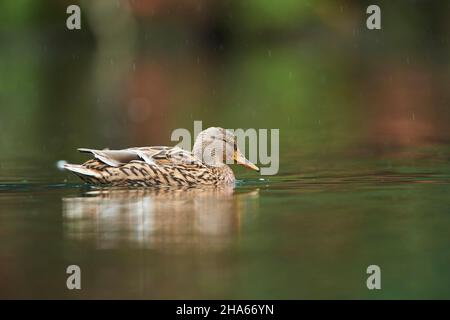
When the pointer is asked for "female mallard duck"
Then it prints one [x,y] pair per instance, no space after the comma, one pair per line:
[166,166]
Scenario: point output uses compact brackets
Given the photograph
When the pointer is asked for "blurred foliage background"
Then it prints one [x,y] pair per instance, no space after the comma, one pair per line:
[364,147]
[140,68]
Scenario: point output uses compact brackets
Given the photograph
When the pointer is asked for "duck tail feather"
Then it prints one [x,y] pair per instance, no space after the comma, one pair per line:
[80,170]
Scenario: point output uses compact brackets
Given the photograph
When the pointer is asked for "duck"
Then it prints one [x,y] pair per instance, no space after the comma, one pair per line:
[206,164]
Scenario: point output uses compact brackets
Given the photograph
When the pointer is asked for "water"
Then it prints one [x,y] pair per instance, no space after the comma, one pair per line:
[310,235]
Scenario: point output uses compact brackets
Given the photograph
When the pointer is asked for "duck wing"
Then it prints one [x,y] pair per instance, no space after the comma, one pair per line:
[146,166]
[113,158]
[166,156]
[158,155]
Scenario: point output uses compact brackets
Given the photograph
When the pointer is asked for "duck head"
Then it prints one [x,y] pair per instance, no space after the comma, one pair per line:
[217,147]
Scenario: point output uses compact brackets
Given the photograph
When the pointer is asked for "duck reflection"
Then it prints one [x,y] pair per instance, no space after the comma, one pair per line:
[168,219]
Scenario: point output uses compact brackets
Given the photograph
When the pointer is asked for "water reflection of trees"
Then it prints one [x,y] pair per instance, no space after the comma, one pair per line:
[158,218]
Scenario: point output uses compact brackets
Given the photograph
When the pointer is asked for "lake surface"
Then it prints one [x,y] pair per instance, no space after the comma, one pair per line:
[302,236]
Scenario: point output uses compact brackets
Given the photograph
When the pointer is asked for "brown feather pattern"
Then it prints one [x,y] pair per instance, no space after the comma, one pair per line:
[170,167]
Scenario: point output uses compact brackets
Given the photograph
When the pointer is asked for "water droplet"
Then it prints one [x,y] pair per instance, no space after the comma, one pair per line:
[60,164]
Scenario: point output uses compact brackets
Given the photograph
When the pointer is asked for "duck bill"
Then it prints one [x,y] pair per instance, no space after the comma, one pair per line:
[240,159]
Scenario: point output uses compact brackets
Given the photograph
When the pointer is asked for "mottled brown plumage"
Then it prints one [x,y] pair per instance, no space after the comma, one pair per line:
[165,166]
